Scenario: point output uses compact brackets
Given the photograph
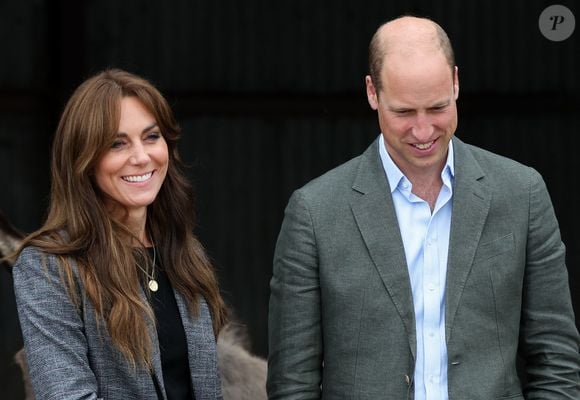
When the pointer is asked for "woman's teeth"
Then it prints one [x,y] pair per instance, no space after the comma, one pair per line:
[138,178]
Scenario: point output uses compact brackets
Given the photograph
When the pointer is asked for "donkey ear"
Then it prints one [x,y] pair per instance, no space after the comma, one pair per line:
[10,237]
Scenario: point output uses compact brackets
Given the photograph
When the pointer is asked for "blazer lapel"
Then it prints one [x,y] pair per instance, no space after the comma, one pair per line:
[471,202]
[157,373]
[374,212]
[201,350]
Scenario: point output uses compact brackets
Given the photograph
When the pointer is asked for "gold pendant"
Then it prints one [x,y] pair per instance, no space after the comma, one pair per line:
[153,286]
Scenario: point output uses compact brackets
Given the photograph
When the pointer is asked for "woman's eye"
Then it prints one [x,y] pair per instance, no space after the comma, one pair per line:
[153,136]
[116,144]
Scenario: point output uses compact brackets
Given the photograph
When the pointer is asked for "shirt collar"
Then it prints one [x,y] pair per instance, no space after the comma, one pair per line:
[395,177]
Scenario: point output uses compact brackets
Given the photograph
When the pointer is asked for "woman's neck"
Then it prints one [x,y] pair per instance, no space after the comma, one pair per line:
[136,222]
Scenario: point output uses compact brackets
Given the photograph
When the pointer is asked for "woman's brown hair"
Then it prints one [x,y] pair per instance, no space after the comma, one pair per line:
[78,226]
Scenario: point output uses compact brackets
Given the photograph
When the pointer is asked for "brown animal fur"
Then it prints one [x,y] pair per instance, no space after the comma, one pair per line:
[243,375]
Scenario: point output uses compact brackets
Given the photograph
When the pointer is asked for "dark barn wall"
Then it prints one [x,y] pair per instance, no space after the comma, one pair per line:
[270,95]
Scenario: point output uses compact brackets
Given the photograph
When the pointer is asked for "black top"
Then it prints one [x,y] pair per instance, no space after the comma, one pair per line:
[172,340]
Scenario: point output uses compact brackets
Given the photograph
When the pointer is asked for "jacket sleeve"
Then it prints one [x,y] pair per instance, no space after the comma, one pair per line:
[295,341]
[549,341]
[53,331]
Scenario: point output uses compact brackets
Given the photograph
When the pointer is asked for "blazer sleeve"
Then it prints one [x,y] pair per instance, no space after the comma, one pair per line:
[548,334]
[294,332]
[53,331]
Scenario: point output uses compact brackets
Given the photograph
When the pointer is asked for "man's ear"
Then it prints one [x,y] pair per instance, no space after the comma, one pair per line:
[456,82]
[372,95]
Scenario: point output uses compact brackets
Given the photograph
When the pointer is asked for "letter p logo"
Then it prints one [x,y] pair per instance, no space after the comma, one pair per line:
[557,20]
[557,23]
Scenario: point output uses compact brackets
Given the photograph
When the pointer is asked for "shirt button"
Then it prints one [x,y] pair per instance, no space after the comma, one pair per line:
[431,287]
[405,185]
[431,334]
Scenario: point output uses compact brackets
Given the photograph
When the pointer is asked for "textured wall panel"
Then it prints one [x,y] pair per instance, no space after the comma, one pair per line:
[294,46]
[23,32]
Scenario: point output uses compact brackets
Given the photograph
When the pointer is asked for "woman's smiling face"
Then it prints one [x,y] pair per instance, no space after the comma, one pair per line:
[131,172]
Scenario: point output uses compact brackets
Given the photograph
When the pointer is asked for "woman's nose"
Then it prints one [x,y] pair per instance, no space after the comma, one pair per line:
[139,155]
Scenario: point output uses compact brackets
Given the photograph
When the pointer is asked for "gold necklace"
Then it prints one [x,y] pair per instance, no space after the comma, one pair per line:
[152,282]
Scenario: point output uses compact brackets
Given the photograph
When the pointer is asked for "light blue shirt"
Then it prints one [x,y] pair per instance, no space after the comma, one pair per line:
[426,241]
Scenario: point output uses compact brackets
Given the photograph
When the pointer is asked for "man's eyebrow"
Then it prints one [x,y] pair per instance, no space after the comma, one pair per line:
[400,108]
[441,103]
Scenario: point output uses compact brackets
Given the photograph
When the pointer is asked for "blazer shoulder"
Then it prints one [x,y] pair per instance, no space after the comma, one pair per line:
[500,168]
[33,257]
[339,180]
[488,158]
[35,267]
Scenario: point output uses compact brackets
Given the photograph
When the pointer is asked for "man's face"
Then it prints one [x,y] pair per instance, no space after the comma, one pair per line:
[417,110]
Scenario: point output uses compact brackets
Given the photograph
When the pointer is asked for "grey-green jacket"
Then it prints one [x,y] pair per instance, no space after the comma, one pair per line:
[341,322]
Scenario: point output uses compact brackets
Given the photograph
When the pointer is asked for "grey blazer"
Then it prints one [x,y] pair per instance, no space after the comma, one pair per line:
[341,322]
[70,356]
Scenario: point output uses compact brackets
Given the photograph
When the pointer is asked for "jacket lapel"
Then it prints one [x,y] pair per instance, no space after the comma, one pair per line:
[374,212]
[202,353]
[471,202]
[157,373]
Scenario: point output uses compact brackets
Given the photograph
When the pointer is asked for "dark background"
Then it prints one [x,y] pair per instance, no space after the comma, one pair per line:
[270,94]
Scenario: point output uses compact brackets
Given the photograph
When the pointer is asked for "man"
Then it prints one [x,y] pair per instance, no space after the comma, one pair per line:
[420,269]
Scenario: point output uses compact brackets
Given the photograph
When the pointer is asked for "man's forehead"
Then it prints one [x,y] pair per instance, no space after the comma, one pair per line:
[409,61]
[429,79]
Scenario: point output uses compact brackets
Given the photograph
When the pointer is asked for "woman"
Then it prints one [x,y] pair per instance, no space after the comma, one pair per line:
[116,297]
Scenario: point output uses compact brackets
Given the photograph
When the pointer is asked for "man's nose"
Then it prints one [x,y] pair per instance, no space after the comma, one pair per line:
[423,128]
